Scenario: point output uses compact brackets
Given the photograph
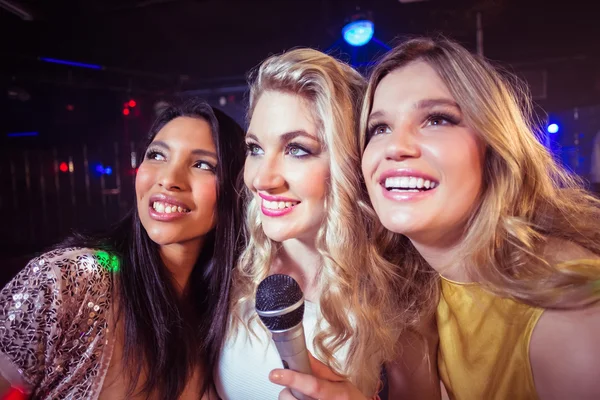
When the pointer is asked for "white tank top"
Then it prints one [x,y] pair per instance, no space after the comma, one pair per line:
[246,361]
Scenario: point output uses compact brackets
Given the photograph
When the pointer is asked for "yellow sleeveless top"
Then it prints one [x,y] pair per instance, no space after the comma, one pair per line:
[484,344]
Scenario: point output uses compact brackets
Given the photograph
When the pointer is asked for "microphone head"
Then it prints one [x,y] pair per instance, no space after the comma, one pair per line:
[279,302]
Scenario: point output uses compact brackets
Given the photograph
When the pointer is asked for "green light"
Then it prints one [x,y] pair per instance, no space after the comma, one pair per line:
[108,261]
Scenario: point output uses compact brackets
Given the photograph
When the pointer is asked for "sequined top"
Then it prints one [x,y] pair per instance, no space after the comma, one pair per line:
[54,325]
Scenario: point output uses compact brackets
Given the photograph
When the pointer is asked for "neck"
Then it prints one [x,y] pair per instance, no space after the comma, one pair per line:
[444,257]
[180,259]
[301,261]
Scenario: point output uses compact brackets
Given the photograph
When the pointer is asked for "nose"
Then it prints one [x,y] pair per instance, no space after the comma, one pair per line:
[173,177]
[403,143]
[268,174]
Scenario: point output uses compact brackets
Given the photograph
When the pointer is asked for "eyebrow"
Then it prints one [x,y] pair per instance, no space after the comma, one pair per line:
[420,105]
[286,137]
[428,103]
[196,152]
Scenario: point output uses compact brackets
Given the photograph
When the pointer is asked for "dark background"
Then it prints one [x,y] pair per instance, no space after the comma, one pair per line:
[153,50]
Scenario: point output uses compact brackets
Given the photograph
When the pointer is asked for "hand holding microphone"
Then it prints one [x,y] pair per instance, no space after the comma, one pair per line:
[280,306]
[323,384]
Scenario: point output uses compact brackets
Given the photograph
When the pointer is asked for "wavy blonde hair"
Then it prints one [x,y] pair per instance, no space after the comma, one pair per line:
[528,203]
[355,281]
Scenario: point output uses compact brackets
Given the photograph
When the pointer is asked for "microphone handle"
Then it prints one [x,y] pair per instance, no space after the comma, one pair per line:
[291,345]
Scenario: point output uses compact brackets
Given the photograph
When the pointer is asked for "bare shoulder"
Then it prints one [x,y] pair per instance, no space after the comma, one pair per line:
[80,262]
[565,354]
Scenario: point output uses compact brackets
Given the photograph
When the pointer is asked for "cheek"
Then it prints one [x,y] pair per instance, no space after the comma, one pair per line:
[313,182]
[474,171]
[205,195]
[456,155]
[369,163]
[143,181]
[249,171]
[461,162]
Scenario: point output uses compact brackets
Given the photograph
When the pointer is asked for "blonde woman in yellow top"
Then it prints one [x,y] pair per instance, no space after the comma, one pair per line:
[504,241]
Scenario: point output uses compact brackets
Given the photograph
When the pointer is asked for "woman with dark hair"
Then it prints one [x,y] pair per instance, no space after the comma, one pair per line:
[140,311]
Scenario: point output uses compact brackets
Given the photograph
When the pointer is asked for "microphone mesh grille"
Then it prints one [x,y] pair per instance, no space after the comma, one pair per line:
[277,292]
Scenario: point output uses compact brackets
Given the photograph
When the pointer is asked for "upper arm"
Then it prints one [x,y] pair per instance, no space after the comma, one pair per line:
[414,374]
[4,386]
[565,354]
[29,307]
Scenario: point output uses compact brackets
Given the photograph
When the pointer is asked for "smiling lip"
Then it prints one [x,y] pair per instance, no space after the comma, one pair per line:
[276,198]
[269,212]
[166,217]
[406,195]
[390,173]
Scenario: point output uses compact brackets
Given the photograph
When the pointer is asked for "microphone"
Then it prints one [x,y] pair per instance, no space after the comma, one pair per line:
[280,306]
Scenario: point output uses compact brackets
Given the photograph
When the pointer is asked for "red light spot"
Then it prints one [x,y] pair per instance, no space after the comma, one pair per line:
[132,103]
[63,167]
[70,107]
[126,111]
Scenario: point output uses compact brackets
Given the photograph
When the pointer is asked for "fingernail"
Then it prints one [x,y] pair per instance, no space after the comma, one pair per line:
[275,376]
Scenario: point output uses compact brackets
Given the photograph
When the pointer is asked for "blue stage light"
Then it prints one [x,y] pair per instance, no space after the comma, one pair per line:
[71,63]
[358,33]
[553,128]
[21,134]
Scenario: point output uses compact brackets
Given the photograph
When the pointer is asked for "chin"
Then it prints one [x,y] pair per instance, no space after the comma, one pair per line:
[277,236]
[280,231]
[401,226]
[162,236]
[161,240]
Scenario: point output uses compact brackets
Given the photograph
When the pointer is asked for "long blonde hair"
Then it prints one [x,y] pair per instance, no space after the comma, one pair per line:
[527,199]
[354,280]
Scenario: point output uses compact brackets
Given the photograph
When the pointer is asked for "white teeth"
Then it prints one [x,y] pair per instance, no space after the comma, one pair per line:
[408,182]
[167,208]
[278,205]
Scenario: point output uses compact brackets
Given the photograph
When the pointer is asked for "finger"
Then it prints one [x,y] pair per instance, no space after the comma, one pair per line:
[320,370]
[306,384]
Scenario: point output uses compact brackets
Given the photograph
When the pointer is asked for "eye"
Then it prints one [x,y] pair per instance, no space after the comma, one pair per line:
[155,155]
[379,129]
[252,149]
[440,119]
[296,151]
[204,165]
[437,121]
